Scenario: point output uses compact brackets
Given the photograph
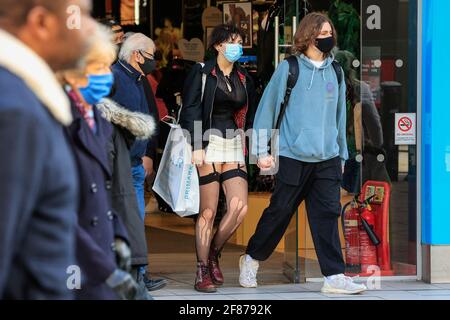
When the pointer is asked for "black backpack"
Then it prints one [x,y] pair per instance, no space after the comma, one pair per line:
[294,73]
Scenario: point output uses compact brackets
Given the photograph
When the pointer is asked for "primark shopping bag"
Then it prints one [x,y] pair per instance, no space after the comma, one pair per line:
[177,180]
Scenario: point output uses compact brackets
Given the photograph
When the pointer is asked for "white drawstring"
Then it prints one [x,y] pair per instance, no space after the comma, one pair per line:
[312,79]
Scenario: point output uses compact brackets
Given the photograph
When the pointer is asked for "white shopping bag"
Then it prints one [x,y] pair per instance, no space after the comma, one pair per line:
[177,180]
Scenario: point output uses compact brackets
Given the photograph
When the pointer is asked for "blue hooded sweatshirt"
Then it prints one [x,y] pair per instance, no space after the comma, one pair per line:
[314,125]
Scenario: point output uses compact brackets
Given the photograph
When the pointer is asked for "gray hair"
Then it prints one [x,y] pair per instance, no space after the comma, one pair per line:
[135,42]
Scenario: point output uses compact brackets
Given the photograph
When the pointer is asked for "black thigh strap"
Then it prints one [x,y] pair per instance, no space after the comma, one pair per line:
[210,178]
[234,174]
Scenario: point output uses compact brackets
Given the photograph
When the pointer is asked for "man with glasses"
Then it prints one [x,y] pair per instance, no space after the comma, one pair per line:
[132,90]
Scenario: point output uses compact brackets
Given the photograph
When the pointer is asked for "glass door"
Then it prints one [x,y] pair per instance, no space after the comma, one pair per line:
[285,27]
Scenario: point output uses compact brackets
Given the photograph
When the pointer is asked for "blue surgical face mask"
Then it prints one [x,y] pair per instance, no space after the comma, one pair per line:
[99,86]
[233,52]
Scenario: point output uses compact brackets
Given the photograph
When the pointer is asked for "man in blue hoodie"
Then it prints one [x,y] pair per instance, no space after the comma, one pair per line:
[312,151]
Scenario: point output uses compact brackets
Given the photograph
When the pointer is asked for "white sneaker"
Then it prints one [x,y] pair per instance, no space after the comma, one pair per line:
[248,271]
[342,284]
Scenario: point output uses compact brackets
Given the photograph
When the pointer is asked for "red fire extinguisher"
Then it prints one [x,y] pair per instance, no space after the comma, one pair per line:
[350,225]
[367,238]
[360,238]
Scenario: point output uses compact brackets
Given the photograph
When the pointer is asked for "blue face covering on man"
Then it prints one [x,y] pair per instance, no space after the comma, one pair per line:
[233,52]
[99,86]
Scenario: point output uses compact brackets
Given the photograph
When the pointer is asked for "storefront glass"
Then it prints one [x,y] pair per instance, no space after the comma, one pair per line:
[381,71]
[378,51]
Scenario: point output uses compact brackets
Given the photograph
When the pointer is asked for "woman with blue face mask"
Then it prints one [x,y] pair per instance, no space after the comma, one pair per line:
[218,97]
[88,88]
[108,219]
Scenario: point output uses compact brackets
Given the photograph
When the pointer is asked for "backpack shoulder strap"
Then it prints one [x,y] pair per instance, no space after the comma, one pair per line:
[337,68]
[294,72]
[203,81]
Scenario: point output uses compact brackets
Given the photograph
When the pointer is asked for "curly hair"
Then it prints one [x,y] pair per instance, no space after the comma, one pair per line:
[223,33]
[308,30]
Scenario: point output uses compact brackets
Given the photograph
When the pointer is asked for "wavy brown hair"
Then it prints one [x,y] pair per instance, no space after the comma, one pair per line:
[308,30]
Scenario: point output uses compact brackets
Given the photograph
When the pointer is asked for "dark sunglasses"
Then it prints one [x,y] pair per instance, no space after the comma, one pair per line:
[147,55]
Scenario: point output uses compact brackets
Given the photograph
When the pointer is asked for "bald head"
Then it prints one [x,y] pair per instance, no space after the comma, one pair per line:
[43,26]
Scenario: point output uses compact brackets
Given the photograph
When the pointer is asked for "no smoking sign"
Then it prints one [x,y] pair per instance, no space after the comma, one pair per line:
[405,128]
[405,124]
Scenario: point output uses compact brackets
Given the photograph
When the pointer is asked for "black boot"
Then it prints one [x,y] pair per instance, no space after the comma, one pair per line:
[154,284]
[142,293]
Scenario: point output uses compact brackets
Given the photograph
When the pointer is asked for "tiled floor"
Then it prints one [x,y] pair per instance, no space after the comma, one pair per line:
[302,292]
[308,291]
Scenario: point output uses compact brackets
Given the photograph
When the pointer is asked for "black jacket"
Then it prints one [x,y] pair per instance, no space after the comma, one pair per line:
[194,109]
[127,126]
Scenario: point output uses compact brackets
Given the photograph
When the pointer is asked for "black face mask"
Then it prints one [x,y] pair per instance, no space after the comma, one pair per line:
[325,45]
[148,66]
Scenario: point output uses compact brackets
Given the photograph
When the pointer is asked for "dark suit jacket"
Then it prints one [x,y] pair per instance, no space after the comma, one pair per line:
[38,197]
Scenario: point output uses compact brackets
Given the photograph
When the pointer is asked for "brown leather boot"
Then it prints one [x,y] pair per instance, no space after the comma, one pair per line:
[214,269]
[203,282]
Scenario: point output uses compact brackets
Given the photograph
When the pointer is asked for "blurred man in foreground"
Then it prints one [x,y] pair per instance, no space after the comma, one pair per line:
[38,181]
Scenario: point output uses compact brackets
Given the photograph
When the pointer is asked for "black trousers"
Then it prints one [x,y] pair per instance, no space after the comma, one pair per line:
[318,184]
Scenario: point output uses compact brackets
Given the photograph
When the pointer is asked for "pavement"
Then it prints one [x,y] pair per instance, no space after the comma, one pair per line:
[386,290]
[176,261]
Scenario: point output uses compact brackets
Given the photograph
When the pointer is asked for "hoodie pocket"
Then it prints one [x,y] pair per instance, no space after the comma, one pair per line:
[308,144]
[330,145]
